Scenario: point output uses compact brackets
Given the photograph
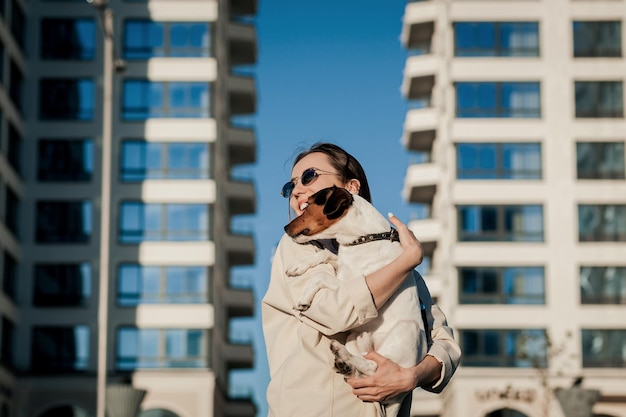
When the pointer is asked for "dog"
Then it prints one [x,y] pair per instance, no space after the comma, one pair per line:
[366,243]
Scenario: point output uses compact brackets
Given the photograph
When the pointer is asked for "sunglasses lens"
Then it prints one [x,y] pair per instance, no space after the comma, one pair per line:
[287,189]
[308,176]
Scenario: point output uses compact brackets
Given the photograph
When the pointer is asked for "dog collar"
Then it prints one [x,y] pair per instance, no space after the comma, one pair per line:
[391,235]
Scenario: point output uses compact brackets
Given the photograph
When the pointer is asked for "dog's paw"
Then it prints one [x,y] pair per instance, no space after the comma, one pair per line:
[302,305]
[342,358]
[296,270]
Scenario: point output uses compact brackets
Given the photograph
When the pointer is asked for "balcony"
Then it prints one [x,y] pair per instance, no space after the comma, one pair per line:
[242,43]
[428,231]
[419,75]
[239,302]
[238,355]
[240,248]
[241,145]
[420,129]
[243,7]
[239,407]
[420,183]
[241,197]
[419,23]
[242,91]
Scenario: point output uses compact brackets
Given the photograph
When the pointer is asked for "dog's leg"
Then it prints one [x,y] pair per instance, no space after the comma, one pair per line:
[303,265]
[315,283]
[349,364]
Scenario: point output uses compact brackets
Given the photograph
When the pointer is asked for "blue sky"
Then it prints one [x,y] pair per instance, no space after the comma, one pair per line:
[327,71]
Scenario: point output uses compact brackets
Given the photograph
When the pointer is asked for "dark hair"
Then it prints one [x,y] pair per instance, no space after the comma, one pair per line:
[345,164]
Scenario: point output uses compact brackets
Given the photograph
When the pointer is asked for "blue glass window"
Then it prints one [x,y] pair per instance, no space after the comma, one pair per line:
[161,348]
[600,160]
[498,99]
[517,348]
[603,284]
[143,99]
[501,285]
[9,276]
[7,343]
[597,39]
[144,39]
[498,161]
[599,99]
[164,160]
[140,222]
[496,39]
[65,160]
[602,223]
[63,221]
[60,349]
[604,348]
[510,223]
[66,99]
[68,39]
[140,284]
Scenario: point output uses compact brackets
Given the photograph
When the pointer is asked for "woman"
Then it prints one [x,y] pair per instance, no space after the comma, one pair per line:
[303,381]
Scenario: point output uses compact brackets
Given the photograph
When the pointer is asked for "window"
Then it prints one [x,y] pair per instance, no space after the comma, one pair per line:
[517,348]
[18,23]
[597,39]
[60,349]
[157,160]
[600,160]
[498,161]
[501,285]
[9,275]
[498,99]
[7,343]
[65,160]
[496,39]
[68,39]
[603,285]
[515,223]
[605,348]
[141,222]
[16,86]
[66,99]
[14,151]
[144,39]
[12,211]
[144,99]
[63,221]
[2,57]
[140,284]
[62,284]
[601,223]
[599,99]
[161,348]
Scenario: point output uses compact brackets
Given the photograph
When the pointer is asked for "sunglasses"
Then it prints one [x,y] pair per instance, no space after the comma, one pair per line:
[308,177]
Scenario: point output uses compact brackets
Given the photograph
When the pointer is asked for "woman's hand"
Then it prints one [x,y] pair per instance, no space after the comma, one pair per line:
[388,381]
[412,247]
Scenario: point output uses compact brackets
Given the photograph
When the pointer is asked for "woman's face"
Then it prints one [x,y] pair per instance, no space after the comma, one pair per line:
[301,192]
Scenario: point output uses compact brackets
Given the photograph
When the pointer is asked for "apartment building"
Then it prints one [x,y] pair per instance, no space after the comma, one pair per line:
[123,134]
[517,129]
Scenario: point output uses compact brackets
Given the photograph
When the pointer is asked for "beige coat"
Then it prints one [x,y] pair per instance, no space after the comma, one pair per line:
[303,380]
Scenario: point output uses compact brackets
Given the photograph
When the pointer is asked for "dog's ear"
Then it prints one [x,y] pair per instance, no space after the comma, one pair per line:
[338,202]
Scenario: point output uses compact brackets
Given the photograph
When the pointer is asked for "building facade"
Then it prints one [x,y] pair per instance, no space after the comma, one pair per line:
[125,136]
[517,130]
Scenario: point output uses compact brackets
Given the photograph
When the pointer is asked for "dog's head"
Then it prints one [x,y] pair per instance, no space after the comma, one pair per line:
[325,208]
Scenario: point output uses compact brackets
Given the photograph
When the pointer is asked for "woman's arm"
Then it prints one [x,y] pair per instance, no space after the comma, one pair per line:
[433,373]
[384,282]
[391,379]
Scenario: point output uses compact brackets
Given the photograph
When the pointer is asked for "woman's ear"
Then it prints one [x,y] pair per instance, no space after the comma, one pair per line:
[354,186]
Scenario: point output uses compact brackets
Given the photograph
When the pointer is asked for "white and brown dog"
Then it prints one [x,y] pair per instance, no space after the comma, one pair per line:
[366,243]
